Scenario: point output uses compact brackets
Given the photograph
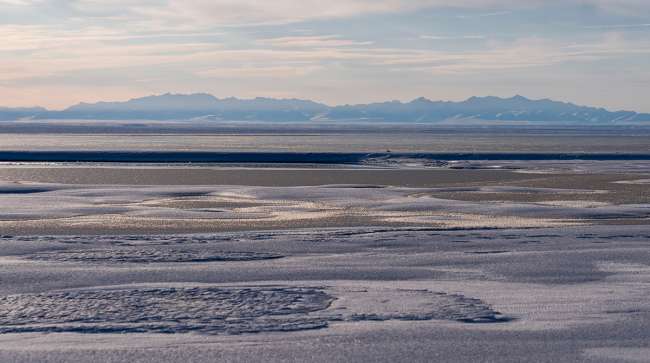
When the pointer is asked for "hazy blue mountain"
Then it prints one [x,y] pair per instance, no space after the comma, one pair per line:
[517,108]
[200,105]
[20,113]
[207,107]
[166,102]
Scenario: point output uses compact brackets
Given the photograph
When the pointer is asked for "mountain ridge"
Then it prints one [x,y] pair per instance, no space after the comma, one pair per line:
[205,106]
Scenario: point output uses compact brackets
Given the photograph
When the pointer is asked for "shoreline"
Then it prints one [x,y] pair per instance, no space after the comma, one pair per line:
[348,158]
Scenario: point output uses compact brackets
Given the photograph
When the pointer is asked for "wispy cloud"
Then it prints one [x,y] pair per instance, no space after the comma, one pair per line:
[17,2]
[618,26]
[258,12]
[66,52]
[522,53]
[453,37]
[322,41]
[484,15]
[262,71]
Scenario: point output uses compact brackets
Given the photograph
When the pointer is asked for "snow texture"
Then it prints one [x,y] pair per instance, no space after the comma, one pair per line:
[225,310]
[149,255]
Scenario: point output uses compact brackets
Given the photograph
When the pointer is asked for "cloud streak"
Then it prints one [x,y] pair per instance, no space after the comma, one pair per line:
[618,26]
[453,37]
[210,13]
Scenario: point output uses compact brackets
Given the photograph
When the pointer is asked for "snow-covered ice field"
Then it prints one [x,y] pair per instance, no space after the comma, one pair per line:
[550,264]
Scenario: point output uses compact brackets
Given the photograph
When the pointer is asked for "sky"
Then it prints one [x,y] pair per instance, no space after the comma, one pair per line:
[55,53]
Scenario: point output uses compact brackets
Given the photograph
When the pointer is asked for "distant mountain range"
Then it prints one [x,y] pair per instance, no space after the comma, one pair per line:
[203,106]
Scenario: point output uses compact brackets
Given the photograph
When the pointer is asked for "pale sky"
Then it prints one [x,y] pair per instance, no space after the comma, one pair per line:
[55,53]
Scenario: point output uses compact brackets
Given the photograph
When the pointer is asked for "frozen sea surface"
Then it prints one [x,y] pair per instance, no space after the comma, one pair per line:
[463,265]
[581,290]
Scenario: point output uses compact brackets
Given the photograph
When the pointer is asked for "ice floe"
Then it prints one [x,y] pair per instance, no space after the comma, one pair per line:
[229,310]
[149,255]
